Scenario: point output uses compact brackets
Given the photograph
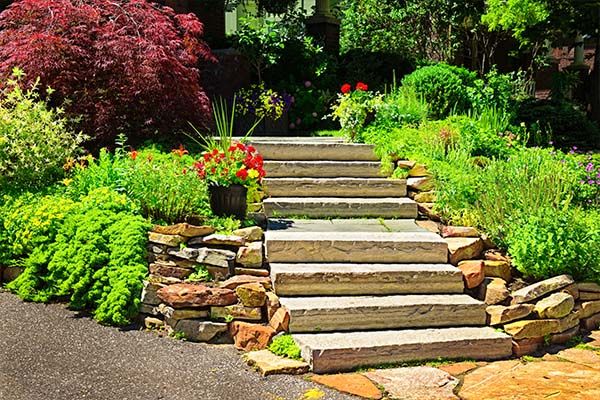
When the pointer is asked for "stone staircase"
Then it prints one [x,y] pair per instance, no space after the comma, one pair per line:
[362,291]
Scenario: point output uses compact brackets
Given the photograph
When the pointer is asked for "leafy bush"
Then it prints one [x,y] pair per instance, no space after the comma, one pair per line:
[444,87]
[163,185]
[285,346]
[97,259]
[498,91]
[402,106]
[551,242]
[35,142]
[115,65]
[558,121]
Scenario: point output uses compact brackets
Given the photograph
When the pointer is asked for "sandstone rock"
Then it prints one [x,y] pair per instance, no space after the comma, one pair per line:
[251,256]
[431,226]
[152,323]
[169,271]
[464,249]
[238,280]
[157,248]
[557,305]
[418,170]
[11,273]
[523,347]
[503,314]
[535,380]
[183,229]
[186,253]
[249,336]
[167,240]
[591,323]
[425,197]
[587,309]
[200,331]
[175,314]
[405,164]
[268,363]
[459,368]
[251,294]
[148,309]
[162,280]
[472,273]
[572,289]
[582,357]
[540,289]
[354,384]
[532,328]
[280,320]
[415,383]
[459,231]
[250,234]
[251,271]
[220,240]
[564,337]
[588,287]
[272,304]
[493,291]
[149,293]
[495,255]
[422,184]
[589,296]
[497,269]
[215,257]
[184,295]
[566,323]
[236,311]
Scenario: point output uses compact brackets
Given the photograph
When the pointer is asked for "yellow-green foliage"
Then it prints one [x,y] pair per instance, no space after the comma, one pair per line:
[96,259]
[285,346]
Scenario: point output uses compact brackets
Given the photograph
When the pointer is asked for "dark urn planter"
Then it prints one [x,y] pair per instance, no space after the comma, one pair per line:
[228,200]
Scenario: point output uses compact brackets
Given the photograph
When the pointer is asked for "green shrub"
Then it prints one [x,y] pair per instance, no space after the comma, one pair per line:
[161,183]
[444,87]
[35,142]
[498,91]
[401,107]
[551,242]
[285,346]
[97,259]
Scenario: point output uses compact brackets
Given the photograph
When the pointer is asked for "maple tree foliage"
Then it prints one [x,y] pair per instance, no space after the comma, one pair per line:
[117,65]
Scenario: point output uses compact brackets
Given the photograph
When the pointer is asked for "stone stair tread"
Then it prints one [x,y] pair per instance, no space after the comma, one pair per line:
[355,236]
[342,351]
[353,313]
[344,225]
[322,169]
[391,207]
[337,187]
[315,149]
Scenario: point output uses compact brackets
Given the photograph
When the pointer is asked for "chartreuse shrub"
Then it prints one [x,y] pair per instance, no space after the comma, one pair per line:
[96,257]
[35,142]
[285,346]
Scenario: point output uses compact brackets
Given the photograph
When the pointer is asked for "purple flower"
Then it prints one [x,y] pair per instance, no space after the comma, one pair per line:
[589,167]
[307,84]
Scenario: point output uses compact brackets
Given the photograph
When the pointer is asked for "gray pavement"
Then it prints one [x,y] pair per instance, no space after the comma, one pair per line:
[48,352]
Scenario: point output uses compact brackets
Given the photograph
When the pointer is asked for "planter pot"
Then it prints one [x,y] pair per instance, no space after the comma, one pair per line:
[228,200]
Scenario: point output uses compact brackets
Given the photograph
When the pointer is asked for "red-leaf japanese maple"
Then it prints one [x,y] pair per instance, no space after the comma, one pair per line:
[120,65]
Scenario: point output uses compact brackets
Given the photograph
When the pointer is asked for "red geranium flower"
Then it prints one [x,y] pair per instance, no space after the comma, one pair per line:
[346,88]
[242,173]
[362,86]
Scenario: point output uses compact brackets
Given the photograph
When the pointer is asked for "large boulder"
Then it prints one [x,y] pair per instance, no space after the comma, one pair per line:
[463,249]
[499,315]
[472,273]
[557,305]
[539,289]
[184,295]
[249,337]
[493,291]
[252,294]
[251,255]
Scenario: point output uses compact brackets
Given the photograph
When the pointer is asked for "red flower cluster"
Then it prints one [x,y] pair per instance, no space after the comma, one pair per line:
[239,164]
[360,86]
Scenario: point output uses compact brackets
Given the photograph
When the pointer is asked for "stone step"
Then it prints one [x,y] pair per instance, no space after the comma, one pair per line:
[347,207]
[355,247]
[365,279]
[359,313]
[344,351]
[306,149]
[323,169]
[335,187]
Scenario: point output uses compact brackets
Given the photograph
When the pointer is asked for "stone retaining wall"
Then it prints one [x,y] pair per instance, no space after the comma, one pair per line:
[235,306]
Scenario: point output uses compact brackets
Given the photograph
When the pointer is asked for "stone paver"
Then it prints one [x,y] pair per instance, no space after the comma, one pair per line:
[459,368]
[355,384]
[588,358]
[415,383]
[270,364]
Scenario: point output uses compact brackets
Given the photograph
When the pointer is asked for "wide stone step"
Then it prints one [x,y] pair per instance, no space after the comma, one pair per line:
[357,313]
[305,149]
[323,169]
[333,352]
[355,247]
[335,187]
[304,279]
[347,207]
